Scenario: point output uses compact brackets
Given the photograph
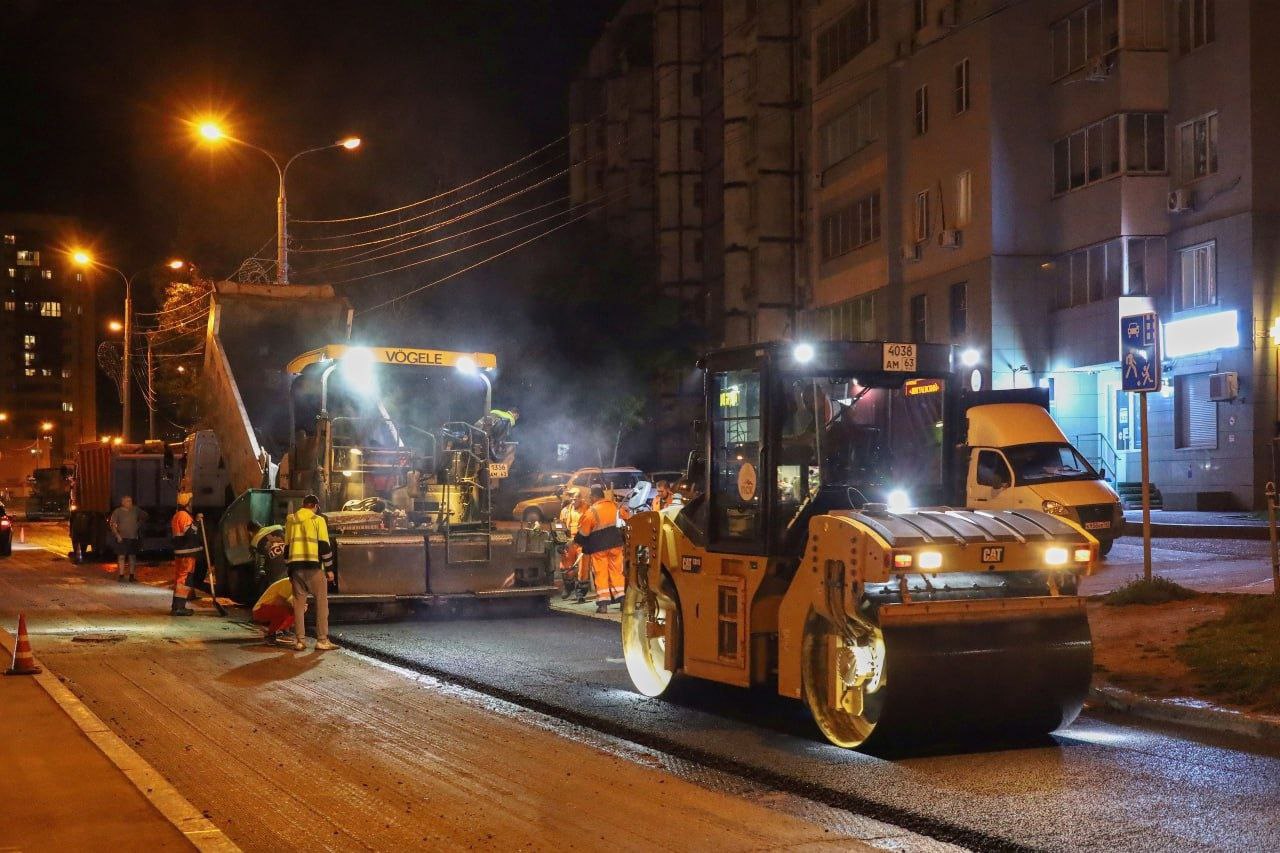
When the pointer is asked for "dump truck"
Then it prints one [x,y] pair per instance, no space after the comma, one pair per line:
[378,433]
[105,473]
[825,558]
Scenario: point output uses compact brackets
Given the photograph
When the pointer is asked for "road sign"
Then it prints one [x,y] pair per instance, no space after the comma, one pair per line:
[1140,353]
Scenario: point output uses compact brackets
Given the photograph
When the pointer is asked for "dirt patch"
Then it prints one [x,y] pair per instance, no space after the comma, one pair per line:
[1237,657]
[1135,647]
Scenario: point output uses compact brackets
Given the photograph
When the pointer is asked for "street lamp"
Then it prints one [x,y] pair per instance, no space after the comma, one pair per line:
[467,366]
[82,258]
[212,132]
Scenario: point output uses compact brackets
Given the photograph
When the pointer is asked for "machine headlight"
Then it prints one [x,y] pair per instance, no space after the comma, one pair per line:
[929,559]
[1082,555]
[1055,556]
[898,501]
[1054,508]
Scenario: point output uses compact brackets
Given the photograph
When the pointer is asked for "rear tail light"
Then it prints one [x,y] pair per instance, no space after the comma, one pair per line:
[4,522]
[902,561]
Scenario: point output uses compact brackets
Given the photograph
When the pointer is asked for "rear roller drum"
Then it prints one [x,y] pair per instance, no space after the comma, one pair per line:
[651,640]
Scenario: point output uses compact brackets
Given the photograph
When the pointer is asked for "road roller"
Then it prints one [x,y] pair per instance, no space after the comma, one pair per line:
[828,557]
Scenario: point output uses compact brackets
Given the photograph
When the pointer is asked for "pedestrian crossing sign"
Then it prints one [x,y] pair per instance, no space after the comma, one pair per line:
[1140,352]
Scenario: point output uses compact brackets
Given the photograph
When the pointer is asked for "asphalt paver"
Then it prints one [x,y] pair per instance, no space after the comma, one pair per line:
[1098,785]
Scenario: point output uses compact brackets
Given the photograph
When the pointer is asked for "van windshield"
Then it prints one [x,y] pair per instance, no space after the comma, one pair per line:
[1048,463]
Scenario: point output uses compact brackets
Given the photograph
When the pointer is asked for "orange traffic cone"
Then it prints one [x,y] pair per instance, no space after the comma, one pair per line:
[24,663]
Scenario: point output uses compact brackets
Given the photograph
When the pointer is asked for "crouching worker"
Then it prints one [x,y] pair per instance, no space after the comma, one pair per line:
[274,611]
[307,539]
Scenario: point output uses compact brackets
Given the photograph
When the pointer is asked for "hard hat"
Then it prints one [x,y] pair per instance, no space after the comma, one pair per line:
[184,498]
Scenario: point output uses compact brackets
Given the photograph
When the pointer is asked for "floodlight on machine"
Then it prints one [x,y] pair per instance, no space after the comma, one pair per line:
[899,501]
[357,369]
[803,353]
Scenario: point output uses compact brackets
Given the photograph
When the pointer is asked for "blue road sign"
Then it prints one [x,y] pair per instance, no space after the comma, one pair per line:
[1140,352]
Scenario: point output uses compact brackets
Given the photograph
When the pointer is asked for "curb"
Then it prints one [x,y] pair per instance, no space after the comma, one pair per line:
[1193,531]
[199,831]
[1187,712]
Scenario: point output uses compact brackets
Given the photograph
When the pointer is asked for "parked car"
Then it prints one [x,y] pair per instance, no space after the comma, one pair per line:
[672,477]
[540,485]
[6,532]
[547,507]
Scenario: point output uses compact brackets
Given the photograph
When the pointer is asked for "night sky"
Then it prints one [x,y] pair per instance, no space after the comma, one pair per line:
[95,94]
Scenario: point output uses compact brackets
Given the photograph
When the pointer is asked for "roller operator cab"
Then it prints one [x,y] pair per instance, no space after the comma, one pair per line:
[822,560]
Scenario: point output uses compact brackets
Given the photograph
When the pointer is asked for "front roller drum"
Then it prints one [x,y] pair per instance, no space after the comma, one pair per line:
[998,678]
[651,637]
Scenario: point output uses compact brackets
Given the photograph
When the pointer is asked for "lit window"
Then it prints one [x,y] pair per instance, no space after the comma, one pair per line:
[51,309]
[961,87]
[45,371]
[964,198]
[1198,148]
[1199,276]
[28,358]
[10,305]
[28,342]
[67,407]
[30,371]
[28,258]
[79,276]
[66,374]
[10,239]
[13,273]
[47,275]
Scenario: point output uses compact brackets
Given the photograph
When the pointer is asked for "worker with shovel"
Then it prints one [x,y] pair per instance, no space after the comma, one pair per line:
[187,544]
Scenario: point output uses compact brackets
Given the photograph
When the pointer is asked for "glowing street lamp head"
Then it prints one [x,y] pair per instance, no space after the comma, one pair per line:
[82,258]
[466,365]
[210,131]
[176,264]
[803,353]
[115,326]
[351,143]
[46,426]
[4,416]
[970,357]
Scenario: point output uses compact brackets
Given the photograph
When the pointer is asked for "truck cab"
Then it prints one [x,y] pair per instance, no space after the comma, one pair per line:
[1018,458]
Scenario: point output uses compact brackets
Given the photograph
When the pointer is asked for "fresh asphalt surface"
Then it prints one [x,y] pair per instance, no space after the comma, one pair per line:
[1099,785]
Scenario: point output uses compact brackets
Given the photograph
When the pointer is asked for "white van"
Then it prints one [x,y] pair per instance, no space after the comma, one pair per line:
[1019,459]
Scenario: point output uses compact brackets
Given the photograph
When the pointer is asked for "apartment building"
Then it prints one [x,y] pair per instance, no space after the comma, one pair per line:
[1011,178]
[47,339]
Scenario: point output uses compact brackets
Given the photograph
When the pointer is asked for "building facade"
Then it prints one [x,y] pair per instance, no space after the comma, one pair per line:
[48,338]
[1010,178]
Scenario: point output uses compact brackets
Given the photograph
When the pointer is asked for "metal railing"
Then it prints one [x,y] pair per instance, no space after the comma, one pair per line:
[1095,448]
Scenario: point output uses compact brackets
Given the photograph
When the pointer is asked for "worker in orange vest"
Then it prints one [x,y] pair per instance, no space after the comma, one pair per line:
[664,496]
[571,561]
[186,545]
[602,536]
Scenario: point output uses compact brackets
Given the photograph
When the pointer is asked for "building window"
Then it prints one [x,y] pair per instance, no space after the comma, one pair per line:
[1144,25]
[959,311]
[28,258]
[1198,148]
[921,10]
[923,224]
[1090,32]
[1092,274]
[28,359]
[13,273]
[964,199]
[1195,421]
[51,309]
[1144,143]
[922,111]
[847,37]
[10,305]
[1199,285]
[854,320]
[1090,154]
[920,318]
[1195,24]
[45,371]
[29,371]
[47,275]
[961,86]
[28,342]
[851,131]
[10,239]
[1144,265]
[66,373]
[67,407]
[851,227]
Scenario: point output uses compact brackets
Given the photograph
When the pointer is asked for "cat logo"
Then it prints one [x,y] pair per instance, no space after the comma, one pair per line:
[993,554]
[691,564]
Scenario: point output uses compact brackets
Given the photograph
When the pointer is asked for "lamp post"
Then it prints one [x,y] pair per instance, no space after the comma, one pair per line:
[213,133]
[84,259]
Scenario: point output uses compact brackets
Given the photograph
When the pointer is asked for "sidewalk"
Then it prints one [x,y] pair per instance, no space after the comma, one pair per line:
[61,791]
[1198,525]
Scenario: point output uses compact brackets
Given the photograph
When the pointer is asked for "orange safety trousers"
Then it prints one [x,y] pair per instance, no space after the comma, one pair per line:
[183,566]
[606,568]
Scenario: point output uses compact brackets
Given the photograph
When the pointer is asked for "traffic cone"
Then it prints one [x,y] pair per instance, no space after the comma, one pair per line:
[24,663]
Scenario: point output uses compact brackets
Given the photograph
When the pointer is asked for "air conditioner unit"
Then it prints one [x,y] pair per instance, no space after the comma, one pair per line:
[949,238]
[1224,386]
[948,17]
[1099,69]
[912,252]
[1180,201]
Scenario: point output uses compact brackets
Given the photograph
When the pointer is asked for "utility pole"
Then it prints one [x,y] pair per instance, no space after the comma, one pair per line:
[128,359]
[151,389]
[282,233]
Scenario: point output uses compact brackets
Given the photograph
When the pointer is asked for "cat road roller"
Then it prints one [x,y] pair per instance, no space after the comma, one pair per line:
[823,558]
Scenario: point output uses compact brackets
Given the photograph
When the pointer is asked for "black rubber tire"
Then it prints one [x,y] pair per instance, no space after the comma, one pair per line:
[1104,546]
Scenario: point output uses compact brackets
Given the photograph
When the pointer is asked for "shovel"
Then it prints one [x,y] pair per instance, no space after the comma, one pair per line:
[212,573]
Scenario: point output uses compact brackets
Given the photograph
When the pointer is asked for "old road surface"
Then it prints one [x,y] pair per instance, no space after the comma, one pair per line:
[1102,784]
